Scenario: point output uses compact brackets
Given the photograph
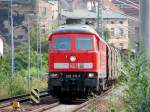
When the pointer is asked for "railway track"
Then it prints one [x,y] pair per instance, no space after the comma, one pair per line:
[49,104]
[75,106]
[21,98]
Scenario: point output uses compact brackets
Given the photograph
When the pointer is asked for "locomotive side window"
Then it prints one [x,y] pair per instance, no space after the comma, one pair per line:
[84,43]
[62,43]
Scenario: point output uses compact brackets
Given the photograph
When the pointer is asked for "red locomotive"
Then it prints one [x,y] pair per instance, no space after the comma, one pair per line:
[80,61]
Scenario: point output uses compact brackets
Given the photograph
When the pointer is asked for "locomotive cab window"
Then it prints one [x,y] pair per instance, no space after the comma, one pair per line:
[62,43]
[84,43]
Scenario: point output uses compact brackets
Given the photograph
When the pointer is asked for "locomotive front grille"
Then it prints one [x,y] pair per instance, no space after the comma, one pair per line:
[72,81]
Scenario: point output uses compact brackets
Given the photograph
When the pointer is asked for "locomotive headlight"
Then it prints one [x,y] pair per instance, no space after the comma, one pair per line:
[91,75]
[72,58]
[54,75]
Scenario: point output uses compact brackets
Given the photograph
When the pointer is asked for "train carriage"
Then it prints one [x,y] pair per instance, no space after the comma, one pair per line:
[78,61]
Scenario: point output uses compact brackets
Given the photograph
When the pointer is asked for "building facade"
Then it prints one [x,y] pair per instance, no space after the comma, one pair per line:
[118,32]
[32,13]
[47,14]
[132,10]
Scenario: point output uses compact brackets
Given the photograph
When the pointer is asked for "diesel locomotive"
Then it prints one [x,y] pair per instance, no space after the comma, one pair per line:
[80,61]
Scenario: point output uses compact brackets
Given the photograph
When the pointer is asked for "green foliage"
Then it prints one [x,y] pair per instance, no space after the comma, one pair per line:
[21,56]
[93,98]
[4,66]
[19,84]
[136,81]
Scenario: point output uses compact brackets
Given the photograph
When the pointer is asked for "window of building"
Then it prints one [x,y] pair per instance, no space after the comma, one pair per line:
[43,31]
[121,32]
[121,5]
[112,44]
[112,22]
[125,6]
[112,30]
[44,11]
[121,45]
[121,22]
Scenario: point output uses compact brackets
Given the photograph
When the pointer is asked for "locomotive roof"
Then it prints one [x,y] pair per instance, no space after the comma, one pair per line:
[77,29]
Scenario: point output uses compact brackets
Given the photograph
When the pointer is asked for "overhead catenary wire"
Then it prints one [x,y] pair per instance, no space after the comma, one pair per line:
[129,17]
[128,4]
[132,3]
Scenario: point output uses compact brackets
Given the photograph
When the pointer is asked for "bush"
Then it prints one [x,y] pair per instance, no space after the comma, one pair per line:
[136,82]
[19,83]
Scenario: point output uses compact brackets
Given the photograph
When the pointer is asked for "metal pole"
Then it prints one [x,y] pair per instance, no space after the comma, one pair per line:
[29,55]
[98,30]
[38,30]
[40,42]
[12,44]
[58,12]
[101,13]
[145,24]
[100,17]
[38,50]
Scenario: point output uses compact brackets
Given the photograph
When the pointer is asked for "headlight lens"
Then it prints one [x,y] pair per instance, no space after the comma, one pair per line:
[72,58]
[91,75]
[54,75]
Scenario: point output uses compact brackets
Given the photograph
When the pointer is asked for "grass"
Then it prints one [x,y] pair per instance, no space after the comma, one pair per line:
[19,85]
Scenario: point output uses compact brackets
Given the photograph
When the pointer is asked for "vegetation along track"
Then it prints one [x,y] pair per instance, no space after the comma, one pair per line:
[86,104]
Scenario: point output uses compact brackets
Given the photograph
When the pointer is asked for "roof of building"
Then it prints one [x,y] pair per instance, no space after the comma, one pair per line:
[106,14]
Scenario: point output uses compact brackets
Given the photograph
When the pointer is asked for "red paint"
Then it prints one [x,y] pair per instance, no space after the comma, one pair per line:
[95,56]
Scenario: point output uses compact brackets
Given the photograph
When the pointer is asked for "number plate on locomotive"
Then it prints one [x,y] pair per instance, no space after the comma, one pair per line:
[73,65]
[73,76]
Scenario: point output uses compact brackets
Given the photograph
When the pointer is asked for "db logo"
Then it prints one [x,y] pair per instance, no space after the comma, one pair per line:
[73,65]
